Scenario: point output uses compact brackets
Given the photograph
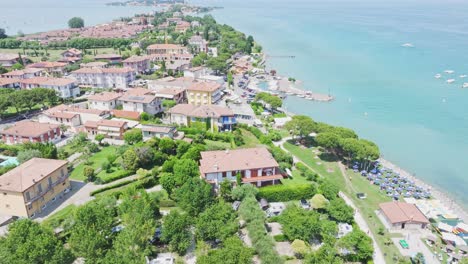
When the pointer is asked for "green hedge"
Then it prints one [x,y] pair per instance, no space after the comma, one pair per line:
[122,174]
[284,193]
[167,203]
[113,186]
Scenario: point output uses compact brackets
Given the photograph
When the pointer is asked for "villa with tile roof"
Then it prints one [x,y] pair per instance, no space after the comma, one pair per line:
[29,131]
[216,117]
[65,87]
[32,186]
[104,77]
[104,101]
[254,165]
[141,103]
[109,128]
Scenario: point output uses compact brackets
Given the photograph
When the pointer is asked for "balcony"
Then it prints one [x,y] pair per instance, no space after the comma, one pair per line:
[49,187]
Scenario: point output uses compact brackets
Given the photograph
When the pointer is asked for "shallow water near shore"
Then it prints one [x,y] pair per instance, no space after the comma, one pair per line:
[386,92]
[352,49]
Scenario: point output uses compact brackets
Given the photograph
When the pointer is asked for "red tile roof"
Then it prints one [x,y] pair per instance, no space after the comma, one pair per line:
[104,97]
[28,128]
[103,70]
[29,173]
[126,114]
[237,159]
[399,212]
[203,111]
[204,86]
[136,59]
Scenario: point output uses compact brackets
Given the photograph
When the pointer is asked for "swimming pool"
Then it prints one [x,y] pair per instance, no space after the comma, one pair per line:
[7,161]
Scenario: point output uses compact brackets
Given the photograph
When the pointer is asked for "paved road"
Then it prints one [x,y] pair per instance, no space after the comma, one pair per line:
[378,256]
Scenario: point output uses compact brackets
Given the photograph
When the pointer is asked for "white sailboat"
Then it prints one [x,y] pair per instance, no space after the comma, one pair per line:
[449,81]
[465,85]
[438,76]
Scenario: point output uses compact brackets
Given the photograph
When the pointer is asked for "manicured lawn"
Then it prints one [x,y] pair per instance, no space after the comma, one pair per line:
[366,206]
[210,144]
[296,179]
[57,218]
[97,160]
[249,139]
[54,54]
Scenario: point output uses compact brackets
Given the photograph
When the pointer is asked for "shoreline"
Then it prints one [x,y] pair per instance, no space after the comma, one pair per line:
[445,199]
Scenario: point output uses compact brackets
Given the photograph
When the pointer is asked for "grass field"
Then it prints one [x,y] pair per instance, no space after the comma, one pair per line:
[54,54]
[97,160]
[368,206]
[57,218]
[250,140]
[296,179]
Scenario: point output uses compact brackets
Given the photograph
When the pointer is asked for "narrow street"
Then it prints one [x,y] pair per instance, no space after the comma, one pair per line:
[378,256]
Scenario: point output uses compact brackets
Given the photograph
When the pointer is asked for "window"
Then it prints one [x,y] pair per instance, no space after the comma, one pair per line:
[28,196]
[62,173]
[50,180]
[39,188]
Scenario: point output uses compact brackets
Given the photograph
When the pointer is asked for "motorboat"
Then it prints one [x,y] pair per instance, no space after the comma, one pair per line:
[408,45]
[449,71]
[301,96]
[438,76]
[465,85]
[463,76]
[449,81]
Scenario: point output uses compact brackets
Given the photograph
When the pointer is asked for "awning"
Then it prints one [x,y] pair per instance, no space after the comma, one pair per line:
[262,178]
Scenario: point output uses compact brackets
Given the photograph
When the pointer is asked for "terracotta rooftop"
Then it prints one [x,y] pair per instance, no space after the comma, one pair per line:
[47,64]
[165,46]
[144,99]
[8,56]
[158,129]
[399,212]
[126,114]
[104,97]
[102,70]
[136,59]
[105,122]
[98,64]
[28,128]
[6,81]
[203,111]
[236,159]
[74,109]
[204,86]
[74,51]
[23,72]
[139,91]
[48,81]
[29,173]
[107,56]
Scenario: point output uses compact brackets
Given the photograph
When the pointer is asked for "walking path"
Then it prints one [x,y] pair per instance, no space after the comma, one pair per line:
[378,256]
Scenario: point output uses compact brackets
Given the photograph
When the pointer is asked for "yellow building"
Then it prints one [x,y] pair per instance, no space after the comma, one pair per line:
[29,188]
[204,93]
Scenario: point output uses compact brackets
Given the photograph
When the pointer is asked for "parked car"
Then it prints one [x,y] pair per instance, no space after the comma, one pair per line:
[157,236]
[235,205]
[305,204]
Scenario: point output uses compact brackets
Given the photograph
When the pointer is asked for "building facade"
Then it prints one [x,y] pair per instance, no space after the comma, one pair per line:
[166,49]
[104,101]
[140,64]
[65,87]
[141,103]
[109,128]
[253,165]
[32,186]
[104,77]
[216,118]
[29,131]
[204,93]
[152,131]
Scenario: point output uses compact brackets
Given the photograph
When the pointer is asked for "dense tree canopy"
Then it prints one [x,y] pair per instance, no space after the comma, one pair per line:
[176,231]
[232,251]
[76,22]
[340,211]
[3,33]
[217,222]
[300,125]
[194,196]
[28,242]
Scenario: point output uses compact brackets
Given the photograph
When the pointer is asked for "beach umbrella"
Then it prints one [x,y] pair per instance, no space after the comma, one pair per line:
[355,167]
[383,169]
[377,182]
[374,171]
[379,174]
[408,194]
[363,173]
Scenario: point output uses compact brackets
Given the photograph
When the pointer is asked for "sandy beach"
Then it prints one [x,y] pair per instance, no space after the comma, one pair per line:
[445,199]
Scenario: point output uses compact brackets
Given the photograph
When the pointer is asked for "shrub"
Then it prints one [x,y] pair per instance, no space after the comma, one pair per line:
[283,193]
[121,174]
[280,238]
[110,187]
[167,203]
[88,173]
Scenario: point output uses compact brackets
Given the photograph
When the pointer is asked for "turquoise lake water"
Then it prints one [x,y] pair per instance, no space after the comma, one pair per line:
[352,48]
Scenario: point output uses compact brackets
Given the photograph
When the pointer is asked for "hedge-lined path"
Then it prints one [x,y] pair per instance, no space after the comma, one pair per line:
[79,195]
[377,256]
